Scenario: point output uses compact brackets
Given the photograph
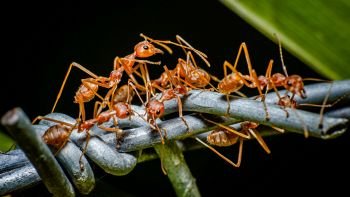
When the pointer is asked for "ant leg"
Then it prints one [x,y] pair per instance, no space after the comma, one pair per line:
[320,124]
[258,137]
[222,156]
[306,131]
[285,111]
[52,120]
[82,110]
[278,129]
[227,128]
[65,80]
[246,53]
[98,105]
[128,100]
[202,55]
[179,103]
[281,55]
[227,95]
[228,105]
[118,134]
[116,63]
[255,77]
[160,133]
[107,100]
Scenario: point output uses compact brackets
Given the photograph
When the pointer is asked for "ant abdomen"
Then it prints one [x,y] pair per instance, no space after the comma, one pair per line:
[56,135]
[222,137]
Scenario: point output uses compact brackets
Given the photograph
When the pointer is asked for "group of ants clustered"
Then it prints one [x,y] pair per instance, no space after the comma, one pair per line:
[172,84]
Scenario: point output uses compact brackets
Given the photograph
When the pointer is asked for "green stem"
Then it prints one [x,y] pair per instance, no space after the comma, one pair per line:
[177,170]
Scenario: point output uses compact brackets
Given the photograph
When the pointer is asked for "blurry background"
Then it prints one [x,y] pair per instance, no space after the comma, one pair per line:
[42,40]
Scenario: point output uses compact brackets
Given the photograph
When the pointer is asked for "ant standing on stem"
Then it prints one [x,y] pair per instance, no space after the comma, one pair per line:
[226,136]
[294,84]
[235,81]
[58,135]
[88,88]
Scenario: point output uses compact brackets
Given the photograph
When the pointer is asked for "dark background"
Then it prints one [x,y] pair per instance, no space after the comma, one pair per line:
[41,40]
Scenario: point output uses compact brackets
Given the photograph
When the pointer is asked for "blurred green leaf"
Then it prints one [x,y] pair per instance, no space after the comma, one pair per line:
[5,142]
[314,31]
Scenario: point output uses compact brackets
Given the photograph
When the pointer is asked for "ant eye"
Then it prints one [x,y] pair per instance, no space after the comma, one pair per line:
[145,47]
[127,113]
[289,83]
[157,112]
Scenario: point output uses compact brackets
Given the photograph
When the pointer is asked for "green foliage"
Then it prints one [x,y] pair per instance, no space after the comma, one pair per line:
[5,142]
[314,31]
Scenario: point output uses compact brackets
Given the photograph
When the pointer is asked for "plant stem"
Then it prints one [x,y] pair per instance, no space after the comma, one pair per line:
[177,170]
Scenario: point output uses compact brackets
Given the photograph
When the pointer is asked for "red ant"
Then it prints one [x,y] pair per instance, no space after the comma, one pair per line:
[155,107]
[89,86]
[187,72]
[235,81]
[174,92]
[295,85]
[226,136]
[58,135]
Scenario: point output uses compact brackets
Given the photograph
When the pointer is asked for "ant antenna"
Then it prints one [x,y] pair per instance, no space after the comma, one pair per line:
[281,55]
[170,51]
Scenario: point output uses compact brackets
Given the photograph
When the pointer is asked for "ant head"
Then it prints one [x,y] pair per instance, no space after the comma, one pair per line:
[295,85]
[122,110]
[155,108]
[145,49]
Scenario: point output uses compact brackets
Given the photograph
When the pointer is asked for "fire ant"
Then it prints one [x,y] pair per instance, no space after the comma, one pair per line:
[88,88]
[155,107]
[176,89]
[58,135]
[224,136]
[188,72]
[294,84]
[235,81]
